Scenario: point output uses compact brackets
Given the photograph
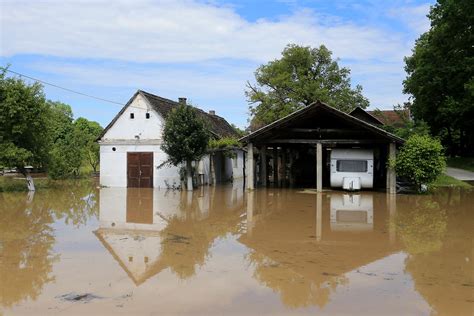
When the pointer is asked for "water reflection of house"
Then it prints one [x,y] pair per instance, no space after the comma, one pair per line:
[150,230]
[302,253]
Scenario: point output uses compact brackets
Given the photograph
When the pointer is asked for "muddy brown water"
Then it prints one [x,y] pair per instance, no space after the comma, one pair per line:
[80,250]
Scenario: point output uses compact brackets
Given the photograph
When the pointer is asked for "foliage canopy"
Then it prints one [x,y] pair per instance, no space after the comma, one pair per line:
[23,116]
[441,75]
[300,77]
[41,133]
[185,135]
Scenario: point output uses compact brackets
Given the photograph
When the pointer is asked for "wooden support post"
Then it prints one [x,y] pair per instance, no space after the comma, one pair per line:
[250,167]
[212,171]
[292,178]
[319,167]
[319,216]
[263,166]
[391,176]
[275,166]
[283,166]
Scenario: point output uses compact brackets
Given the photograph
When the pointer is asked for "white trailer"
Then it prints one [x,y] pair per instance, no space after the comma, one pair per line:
[352,169]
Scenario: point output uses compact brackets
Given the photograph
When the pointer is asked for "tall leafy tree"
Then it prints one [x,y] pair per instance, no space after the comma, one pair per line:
[441,75]
[23,117]
[66,152]
[300,77]
[87,133]
[185,138]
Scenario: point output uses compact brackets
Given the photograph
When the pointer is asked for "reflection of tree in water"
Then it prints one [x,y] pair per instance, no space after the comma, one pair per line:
[27,237]
[420,223]
[26,242]
[296,290]
[187,240]
[443,271]
[76,202]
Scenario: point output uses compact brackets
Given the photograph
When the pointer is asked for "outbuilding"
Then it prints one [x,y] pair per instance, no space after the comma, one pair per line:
[296,150]
[131,154]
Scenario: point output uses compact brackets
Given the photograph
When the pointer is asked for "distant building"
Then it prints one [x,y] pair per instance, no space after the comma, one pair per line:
[131,154]
[398,118]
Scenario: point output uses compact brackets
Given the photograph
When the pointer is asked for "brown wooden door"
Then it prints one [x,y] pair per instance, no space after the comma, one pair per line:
[140,170]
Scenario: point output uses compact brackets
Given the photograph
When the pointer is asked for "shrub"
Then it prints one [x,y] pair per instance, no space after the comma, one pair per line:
[420,160]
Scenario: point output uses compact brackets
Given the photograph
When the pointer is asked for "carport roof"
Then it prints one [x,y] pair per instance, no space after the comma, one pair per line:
[318,108]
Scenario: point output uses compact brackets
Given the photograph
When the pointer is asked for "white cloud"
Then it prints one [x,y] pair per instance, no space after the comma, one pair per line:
[414,16]
[176,31]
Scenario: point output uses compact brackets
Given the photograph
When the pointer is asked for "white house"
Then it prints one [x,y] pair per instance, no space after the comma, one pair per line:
[130,152]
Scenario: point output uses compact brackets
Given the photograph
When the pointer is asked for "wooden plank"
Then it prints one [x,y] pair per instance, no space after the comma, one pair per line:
[263,166]
[319,167]
[146,170]
[133,170]
[325,141]
[391,176]
[325,130]
[250,168]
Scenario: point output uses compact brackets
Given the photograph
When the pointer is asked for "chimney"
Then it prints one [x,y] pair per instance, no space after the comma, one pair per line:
[212,112]
[182,101]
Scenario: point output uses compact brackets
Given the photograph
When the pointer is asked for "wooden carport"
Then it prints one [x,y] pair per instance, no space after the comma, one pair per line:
[297,145]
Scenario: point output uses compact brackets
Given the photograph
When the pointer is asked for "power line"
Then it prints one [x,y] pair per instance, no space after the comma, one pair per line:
[63,88]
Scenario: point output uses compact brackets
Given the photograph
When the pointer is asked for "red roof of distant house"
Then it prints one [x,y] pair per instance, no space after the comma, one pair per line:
[391,117]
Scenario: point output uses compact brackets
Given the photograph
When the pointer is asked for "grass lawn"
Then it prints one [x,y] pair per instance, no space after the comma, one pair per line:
[447,181]
[11,184]
[466,163]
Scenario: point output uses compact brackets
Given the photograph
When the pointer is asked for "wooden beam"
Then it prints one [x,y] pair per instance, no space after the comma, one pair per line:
[391,176]
[275,166]
[325,141]
[263,166]
[319,167]
[250,167]
[325,130]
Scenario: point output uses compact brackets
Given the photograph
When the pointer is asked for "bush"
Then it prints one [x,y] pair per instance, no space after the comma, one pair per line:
[224,143]
[420,160]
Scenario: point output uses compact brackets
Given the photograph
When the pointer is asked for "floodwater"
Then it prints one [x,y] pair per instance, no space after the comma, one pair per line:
[80,250]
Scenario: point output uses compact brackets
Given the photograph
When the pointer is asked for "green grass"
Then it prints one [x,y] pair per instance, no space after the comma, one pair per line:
[18,184]
[466,163]
[447,181]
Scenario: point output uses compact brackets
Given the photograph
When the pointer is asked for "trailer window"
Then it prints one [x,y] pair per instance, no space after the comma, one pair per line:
[351,166]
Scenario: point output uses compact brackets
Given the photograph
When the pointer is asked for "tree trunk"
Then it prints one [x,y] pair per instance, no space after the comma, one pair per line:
[189,176]
[29,180]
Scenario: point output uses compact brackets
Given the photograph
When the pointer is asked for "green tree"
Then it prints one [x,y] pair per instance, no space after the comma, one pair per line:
[185,138]
[420,160]
[87,133]
[66,153]
[23,116]
[302,76]
[441,75]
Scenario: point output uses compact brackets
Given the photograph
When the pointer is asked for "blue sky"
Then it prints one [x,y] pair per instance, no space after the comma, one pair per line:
[203,50]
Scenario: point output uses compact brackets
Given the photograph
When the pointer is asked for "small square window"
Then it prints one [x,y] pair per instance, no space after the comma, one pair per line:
[147,115]
[132,115]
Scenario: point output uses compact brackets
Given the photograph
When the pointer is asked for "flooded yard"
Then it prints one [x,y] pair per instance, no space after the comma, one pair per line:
[221,250]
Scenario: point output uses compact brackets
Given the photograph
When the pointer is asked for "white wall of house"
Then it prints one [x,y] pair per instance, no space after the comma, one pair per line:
[147,129]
